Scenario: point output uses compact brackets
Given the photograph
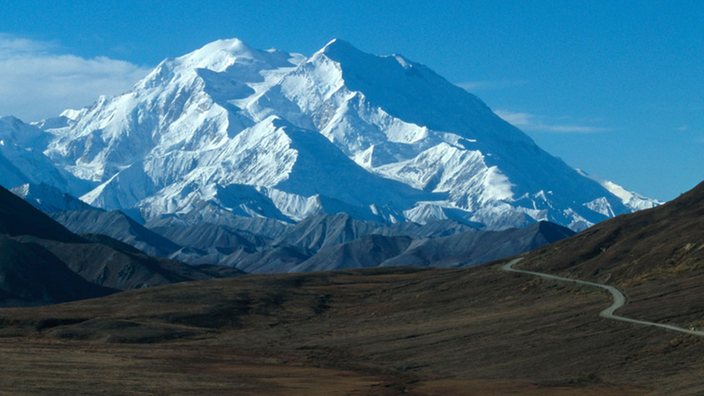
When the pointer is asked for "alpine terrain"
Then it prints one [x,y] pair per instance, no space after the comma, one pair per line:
[230,132]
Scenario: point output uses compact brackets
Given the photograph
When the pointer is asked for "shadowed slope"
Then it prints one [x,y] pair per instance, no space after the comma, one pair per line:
[464,249]
[117,225]
[41,262]
[18,217]
[31,275]
[111,263]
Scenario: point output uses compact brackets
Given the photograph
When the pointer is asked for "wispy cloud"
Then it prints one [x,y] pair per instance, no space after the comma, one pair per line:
[699,139]
[17,45]
[683,128]
[474,86]
[38,79]
[534,122]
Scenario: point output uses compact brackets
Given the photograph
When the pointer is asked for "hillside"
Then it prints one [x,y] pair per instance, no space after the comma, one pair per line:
[117,225]
[41,262]
[18,217]
[32,275]
[655,256]
[459,250]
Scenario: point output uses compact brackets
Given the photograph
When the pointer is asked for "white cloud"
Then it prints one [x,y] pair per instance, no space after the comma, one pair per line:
[516,119]
[17,45]
[474,86]
[38,81]
[683,128]
[534,122]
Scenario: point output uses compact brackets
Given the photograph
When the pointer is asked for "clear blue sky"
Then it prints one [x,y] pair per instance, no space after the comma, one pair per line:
[613,88]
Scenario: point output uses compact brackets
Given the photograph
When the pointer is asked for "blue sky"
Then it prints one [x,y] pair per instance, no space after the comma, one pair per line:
[613,88]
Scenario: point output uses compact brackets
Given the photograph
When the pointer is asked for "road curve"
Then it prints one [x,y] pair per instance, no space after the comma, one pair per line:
[608,313]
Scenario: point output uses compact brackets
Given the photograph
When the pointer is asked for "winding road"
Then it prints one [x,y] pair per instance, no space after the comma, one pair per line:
[608,313]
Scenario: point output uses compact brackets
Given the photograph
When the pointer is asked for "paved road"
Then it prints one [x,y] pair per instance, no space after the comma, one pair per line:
[608,313]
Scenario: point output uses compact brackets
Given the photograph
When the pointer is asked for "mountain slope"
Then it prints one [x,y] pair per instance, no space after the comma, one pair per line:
[317,232]
[205,236]
[368,251]
[401,120]
[477,247]
[279,259]
[49,199]
[18,217]
[463,249]
[113,264]
[31,275]
[655,256]
[211,243]
[117,225]
[635,245]
[433,229]
[41,262]
[22,160]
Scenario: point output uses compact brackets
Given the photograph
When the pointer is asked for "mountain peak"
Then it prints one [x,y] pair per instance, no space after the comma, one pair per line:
[221,55]
[337,44]
[18,132]
[10,119]
[218,55]
[342,51]
[234,46]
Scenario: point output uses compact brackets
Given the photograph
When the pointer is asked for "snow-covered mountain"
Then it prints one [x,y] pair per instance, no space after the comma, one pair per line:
[231,130]
[22,160]
[632,199]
